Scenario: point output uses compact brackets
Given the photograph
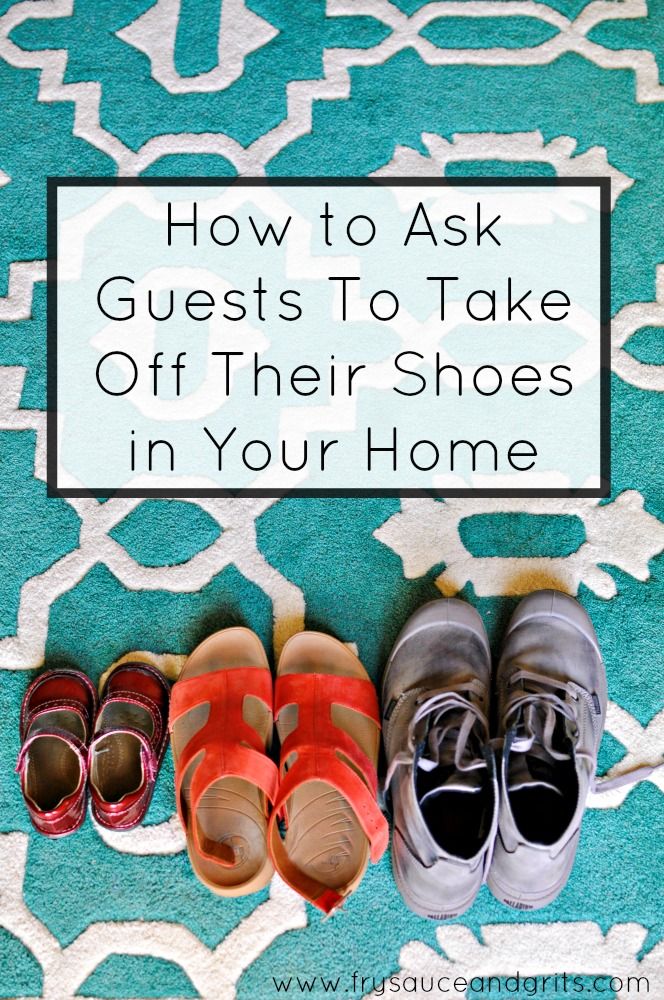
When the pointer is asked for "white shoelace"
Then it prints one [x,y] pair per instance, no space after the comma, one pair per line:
[454,712]
[539,708]
[452,717]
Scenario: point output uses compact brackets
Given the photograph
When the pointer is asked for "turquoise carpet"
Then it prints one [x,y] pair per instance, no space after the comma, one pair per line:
[300,88]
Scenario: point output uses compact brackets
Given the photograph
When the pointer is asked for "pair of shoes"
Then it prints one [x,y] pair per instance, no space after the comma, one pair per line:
[470,808]
[72,741]
[230,794]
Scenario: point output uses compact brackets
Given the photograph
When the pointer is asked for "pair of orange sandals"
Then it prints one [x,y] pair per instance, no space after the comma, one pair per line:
[234,802]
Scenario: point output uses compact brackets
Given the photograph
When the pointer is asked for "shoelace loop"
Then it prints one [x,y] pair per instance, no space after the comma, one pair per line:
[534,711]
[450,711]
[536,703]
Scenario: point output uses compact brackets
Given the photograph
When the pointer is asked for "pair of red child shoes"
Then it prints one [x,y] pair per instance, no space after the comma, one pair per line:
[73,741]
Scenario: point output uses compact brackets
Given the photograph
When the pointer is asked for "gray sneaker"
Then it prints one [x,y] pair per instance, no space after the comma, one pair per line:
[551,696]
[441,776]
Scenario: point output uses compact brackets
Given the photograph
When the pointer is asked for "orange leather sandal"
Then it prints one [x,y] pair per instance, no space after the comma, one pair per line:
[327,716]
[221,726]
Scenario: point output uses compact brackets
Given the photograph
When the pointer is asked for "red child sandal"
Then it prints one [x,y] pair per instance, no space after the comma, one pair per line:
[129,742]
[221,726]
[56,723]
[327,716]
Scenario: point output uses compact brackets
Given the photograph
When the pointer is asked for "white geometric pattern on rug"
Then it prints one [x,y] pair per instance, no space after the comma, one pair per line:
[621,533]
[512,147]
[214,972]
[532,949]
[632,317]
[336,81]
[241,32]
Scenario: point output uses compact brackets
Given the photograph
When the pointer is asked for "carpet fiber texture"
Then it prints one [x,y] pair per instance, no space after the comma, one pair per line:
[402,87]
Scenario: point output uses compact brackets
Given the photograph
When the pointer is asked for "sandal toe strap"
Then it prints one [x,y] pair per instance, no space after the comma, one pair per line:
[223,690]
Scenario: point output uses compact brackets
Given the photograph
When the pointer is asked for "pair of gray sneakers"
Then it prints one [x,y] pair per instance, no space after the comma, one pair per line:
[470,808]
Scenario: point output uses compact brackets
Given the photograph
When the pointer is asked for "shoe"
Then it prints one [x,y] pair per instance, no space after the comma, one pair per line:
[221,729]
[441,778]
[551,695]
[56,722]
[128,745]
[327,717]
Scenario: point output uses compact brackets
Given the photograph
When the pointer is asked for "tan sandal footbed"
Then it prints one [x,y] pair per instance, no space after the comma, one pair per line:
[231,815]
[324,839]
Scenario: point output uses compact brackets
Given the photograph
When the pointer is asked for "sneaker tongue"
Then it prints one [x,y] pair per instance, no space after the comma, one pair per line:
[457,781]
[530,771]
[438,771]
[536,766]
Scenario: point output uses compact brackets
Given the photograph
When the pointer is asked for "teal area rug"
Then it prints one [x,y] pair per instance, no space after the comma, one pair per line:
[399,87]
